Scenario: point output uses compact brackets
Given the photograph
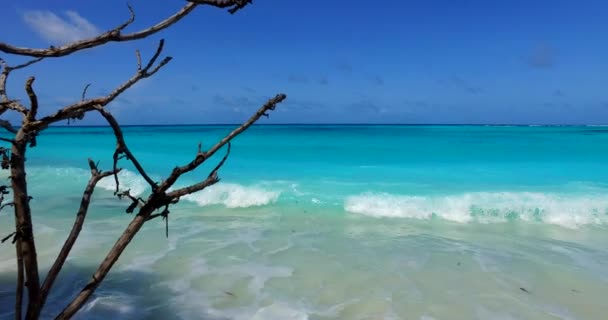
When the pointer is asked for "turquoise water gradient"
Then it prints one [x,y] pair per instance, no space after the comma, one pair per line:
[337,222]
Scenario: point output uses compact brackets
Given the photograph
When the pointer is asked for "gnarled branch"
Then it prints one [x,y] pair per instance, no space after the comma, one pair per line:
[159,199]
[202,156]
[121,147]
[234,5]
[78,109]
[7,125]
[212,179]
[5,102]
[116,35]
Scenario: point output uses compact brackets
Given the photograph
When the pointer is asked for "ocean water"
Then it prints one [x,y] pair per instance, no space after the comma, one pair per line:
[335,222]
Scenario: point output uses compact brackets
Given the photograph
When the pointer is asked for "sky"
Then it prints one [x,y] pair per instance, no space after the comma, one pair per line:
[390,61]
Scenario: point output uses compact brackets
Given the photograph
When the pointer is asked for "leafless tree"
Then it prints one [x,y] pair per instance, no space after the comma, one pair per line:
[157,203]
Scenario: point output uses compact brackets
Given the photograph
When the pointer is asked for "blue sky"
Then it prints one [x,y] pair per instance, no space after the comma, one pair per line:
[338,61]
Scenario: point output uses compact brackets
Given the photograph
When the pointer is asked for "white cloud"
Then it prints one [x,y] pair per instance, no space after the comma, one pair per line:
[59,30]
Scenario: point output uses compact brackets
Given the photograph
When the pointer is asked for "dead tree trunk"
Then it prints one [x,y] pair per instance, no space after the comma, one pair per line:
[24,236]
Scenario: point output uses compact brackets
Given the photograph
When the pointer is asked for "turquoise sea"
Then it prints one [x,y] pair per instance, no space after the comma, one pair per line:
[335,222]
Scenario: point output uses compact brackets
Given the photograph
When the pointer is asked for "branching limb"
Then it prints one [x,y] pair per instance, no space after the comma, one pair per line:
[5,102]
[165,215]
[211,180]
[121,148]
[159,199]
[136,202]
[8,204]
[232,4]
[96,176]
[202,156]
[114,35]
[77,110]
[7,125]
[13,105]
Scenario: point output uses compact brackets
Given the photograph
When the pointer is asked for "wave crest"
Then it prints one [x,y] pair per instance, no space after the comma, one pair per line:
[128,181]
[233,196]
[567,211]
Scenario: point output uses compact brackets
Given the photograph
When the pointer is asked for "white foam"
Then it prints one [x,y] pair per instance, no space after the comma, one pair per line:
[78,177]
[278,311]
[234,196]
[570,211]
[128,181]
[120,303]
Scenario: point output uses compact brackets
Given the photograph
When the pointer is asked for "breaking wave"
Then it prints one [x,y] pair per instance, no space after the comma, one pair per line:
[234,196]
[128,181]
[569,211]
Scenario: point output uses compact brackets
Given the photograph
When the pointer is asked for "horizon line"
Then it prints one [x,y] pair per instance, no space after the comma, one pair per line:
[345,124]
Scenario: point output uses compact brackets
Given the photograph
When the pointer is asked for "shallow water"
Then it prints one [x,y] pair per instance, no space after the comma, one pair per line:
[337,222]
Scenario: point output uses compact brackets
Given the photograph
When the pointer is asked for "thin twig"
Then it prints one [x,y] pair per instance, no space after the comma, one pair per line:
[84,92]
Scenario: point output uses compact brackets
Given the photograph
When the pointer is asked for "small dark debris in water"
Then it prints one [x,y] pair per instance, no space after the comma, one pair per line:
[458,264]
[575,291]
[230,294]
[293,231]
[524,290]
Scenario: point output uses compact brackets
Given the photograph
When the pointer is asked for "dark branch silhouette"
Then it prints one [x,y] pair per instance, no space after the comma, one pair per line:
[96,176]
[116,35]
[21,136]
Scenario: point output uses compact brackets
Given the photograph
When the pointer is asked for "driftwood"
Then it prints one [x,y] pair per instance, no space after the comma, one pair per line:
[156,204]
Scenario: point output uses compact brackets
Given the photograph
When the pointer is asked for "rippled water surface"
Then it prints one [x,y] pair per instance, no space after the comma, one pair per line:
[336,222]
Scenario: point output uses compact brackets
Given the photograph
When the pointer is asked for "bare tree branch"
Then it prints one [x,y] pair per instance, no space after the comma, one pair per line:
[4,205]
[6,103]
[84,92]
[13,105]
[234,5]
[202,156]
[31,115]
[121,147]
[115,35]
[26,64]
[96,176]
[7,140]
[77,110]
[159,199]
[7,125]
[211,180]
